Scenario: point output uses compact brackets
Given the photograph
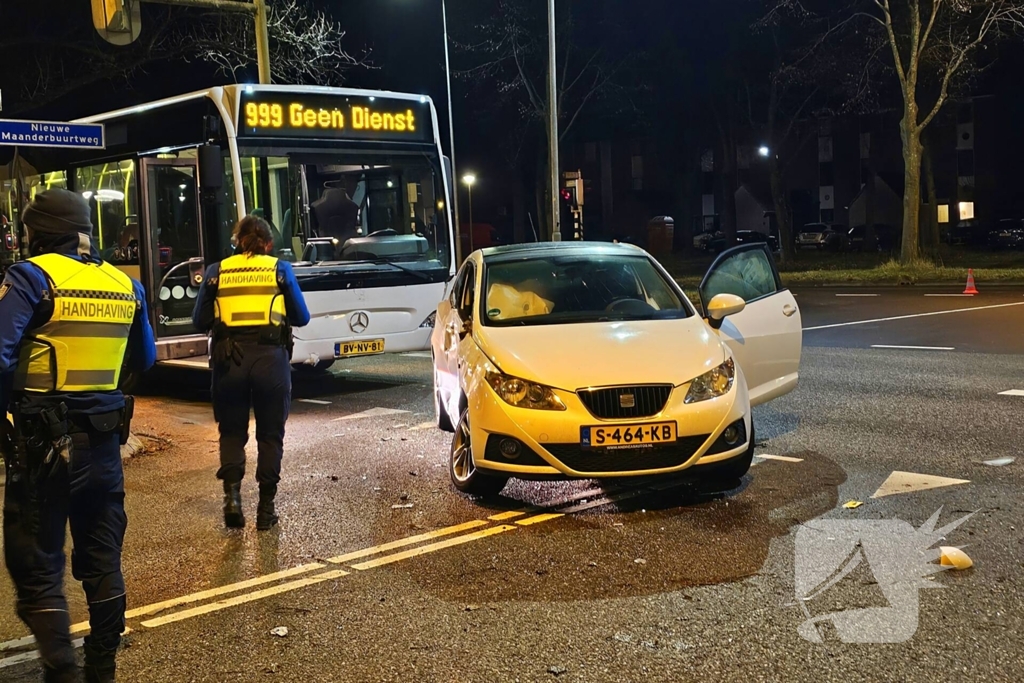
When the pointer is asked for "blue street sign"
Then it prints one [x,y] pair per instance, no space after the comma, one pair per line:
[52,134]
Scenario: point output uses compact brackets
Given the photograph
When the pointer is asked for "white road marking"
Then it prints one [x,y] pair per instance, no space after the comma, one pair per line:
[906,317]
[858,295]
[959,295]
[31,656]
[314,401]
[1012,392]
[908,482]
[914,348]
[372,412]
[781,458]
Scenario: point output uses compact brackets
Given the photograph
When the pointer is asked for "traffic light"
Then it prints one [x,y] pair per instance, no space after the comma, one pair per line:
[117,21]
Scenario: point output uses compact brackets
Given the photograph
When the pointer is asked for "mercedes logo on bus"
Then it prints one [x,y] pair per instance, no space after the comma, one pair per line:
[359,321]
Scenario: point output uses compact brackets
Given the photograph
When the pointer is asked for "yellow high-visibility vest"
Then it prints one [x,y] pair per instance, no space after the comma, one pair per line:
[82,346]
[247,292]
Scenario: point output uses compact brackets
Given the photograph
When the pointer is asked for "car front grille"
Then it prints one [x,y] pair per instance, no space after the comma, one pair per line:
[618,403]
[581,459]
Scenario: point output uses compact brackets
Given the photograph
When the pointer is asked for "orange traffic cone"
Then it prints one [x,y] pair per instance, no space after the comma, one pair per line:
[971,289]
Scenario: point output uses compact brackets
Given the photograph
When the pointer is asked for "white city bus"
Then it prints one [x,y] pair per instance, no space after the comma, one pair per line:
[352,182]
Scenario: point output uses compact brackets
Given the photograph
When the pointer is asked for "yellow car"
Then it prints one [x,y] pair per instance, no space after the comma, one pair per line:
[576,359]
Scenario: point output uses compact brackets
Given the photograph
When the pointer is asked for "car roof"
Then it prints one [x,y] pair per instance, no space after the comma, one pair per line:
[542,249]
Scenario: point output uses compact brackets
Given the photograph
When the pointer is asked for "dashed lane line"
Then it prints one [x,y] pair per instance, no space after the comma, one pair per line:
[858,295]
[913,348]
[242,599]
[907,317]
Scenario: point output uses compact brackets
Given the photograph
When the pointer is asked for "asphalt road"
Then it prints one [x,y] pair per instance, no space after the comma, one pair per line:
[586,581]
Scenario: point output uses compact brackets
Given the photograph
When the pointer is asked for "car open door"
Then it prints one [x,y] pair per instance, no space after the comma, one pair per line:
[766,336]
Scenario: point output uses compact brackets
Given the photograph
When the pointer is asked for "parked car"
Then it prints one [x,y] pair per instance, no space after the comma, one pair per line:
[823,236]
[586,360]
[719,244]
[970,232]
[887,238]
[1009,234]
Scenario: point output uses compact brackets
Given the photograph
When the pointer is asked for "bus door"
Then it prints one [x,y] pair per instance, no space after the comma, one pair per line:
[174,246]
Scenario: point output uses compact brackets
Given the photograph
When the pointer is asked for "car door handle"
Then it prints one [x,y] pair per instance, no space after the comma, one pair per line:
[788,310]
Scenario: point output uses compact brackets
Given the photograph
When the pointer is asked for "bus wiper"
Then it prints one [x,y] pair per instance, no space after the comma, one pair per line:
[412,271]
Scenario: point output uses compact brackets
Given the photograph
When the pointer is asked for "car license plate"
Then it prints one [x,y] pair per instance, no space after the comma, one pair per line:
[358,348]
[628,436]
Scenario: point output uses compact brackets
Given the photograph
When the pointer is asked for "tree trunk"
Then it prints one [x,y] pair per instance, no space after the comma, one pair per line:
[782,214]
[912,151]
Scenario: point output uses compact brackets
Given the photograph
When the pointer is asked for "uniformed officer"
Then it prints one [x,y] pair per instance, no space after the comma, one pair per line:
[251,301]
[68,323]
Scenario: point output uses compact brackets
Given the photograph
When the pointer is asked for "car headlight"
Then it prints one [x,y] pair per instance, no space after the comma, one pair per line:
[522,394]
[717,382]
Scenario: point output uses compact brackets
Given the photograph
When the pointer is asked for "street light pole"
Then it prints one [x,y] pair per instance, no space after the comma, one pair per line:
[469,179]
[451,138]
[556,232]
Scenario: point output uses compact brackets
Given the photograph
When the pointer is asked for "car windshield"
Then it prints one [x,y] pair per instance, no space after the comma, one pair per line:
[577,288]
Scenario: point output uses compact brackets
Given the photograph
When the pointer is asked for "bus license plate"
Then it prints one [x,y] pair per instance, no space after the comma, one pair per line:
[628,436]
[358,348]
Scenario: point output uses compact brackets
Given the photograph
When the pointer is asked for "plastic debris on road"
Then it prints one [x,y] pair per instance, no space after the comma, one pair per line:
[853,504]
[557,670]
[639,560]
[954,557]
[407,506]
[999,462]
[280,631]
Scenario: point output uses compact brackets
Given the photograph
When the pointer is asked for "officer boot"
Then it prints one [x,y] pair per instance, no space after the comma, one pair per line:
[266,517]
[100,673]
[68,674]
[233,515]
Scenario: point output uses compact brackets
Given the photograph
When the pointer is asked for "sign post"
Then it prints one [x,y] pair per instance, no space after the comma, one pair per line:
[18,133]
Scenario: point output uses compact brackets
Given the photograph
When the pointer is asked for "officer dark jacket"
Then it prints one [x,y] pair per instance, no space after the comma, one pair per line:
[27,309]
[250,291]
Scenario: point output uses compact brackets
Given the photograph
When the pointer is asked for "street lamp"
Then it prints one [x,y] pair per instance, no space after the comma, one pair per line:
[469,179]
[763,151]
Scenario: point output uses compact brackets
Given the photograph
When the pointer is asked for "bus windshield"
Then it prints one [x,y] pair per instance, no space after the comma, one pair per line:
[343,208]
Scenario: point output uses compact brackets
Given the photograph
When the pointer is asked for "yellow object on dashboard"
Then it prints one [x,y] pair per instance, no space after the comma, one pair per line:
[505,302]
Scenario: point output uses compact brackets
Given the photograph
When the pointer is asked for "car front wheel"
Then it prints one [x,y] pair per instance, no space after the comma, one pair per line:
[733,470]
[465,476]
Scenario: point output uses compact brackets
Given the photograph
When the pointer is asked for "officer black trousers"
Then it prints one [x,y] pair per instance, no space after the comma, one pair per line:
[263,383]
[88,493]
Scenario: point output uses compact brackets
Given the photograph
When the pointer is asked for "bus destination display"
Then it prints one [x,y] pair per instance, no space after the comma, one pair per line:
[282,114]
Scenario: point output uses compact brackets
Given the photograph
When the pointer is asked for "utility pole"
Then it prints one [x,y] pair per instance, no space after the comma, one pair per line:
[119,22]
[556,230]
[451,141]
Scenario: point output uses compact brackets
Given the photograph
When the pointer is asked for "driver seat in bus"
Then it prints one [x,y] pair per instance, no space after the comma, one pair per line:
[335,213]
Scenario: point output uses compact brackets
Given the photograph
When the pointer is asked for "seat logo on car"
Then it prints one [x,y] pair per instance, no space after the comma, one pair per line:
[359,321]
[627,401]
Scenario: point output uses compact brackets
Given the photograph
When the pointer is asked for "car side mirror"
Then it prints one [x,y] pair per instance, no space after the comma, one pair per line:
[722,306]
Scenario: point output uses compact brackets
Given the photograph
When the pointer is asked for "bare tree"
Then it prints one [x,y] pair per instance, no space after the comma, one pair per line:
[933,44]
[509,67]
[60,54]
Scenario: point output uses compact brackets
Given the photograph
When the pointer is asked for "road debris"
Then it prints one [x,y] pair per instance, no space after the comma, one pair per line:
[853,504]
[954,557]
[999,462]
[407,506]
[280,631]
[557,670]
[639,560]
